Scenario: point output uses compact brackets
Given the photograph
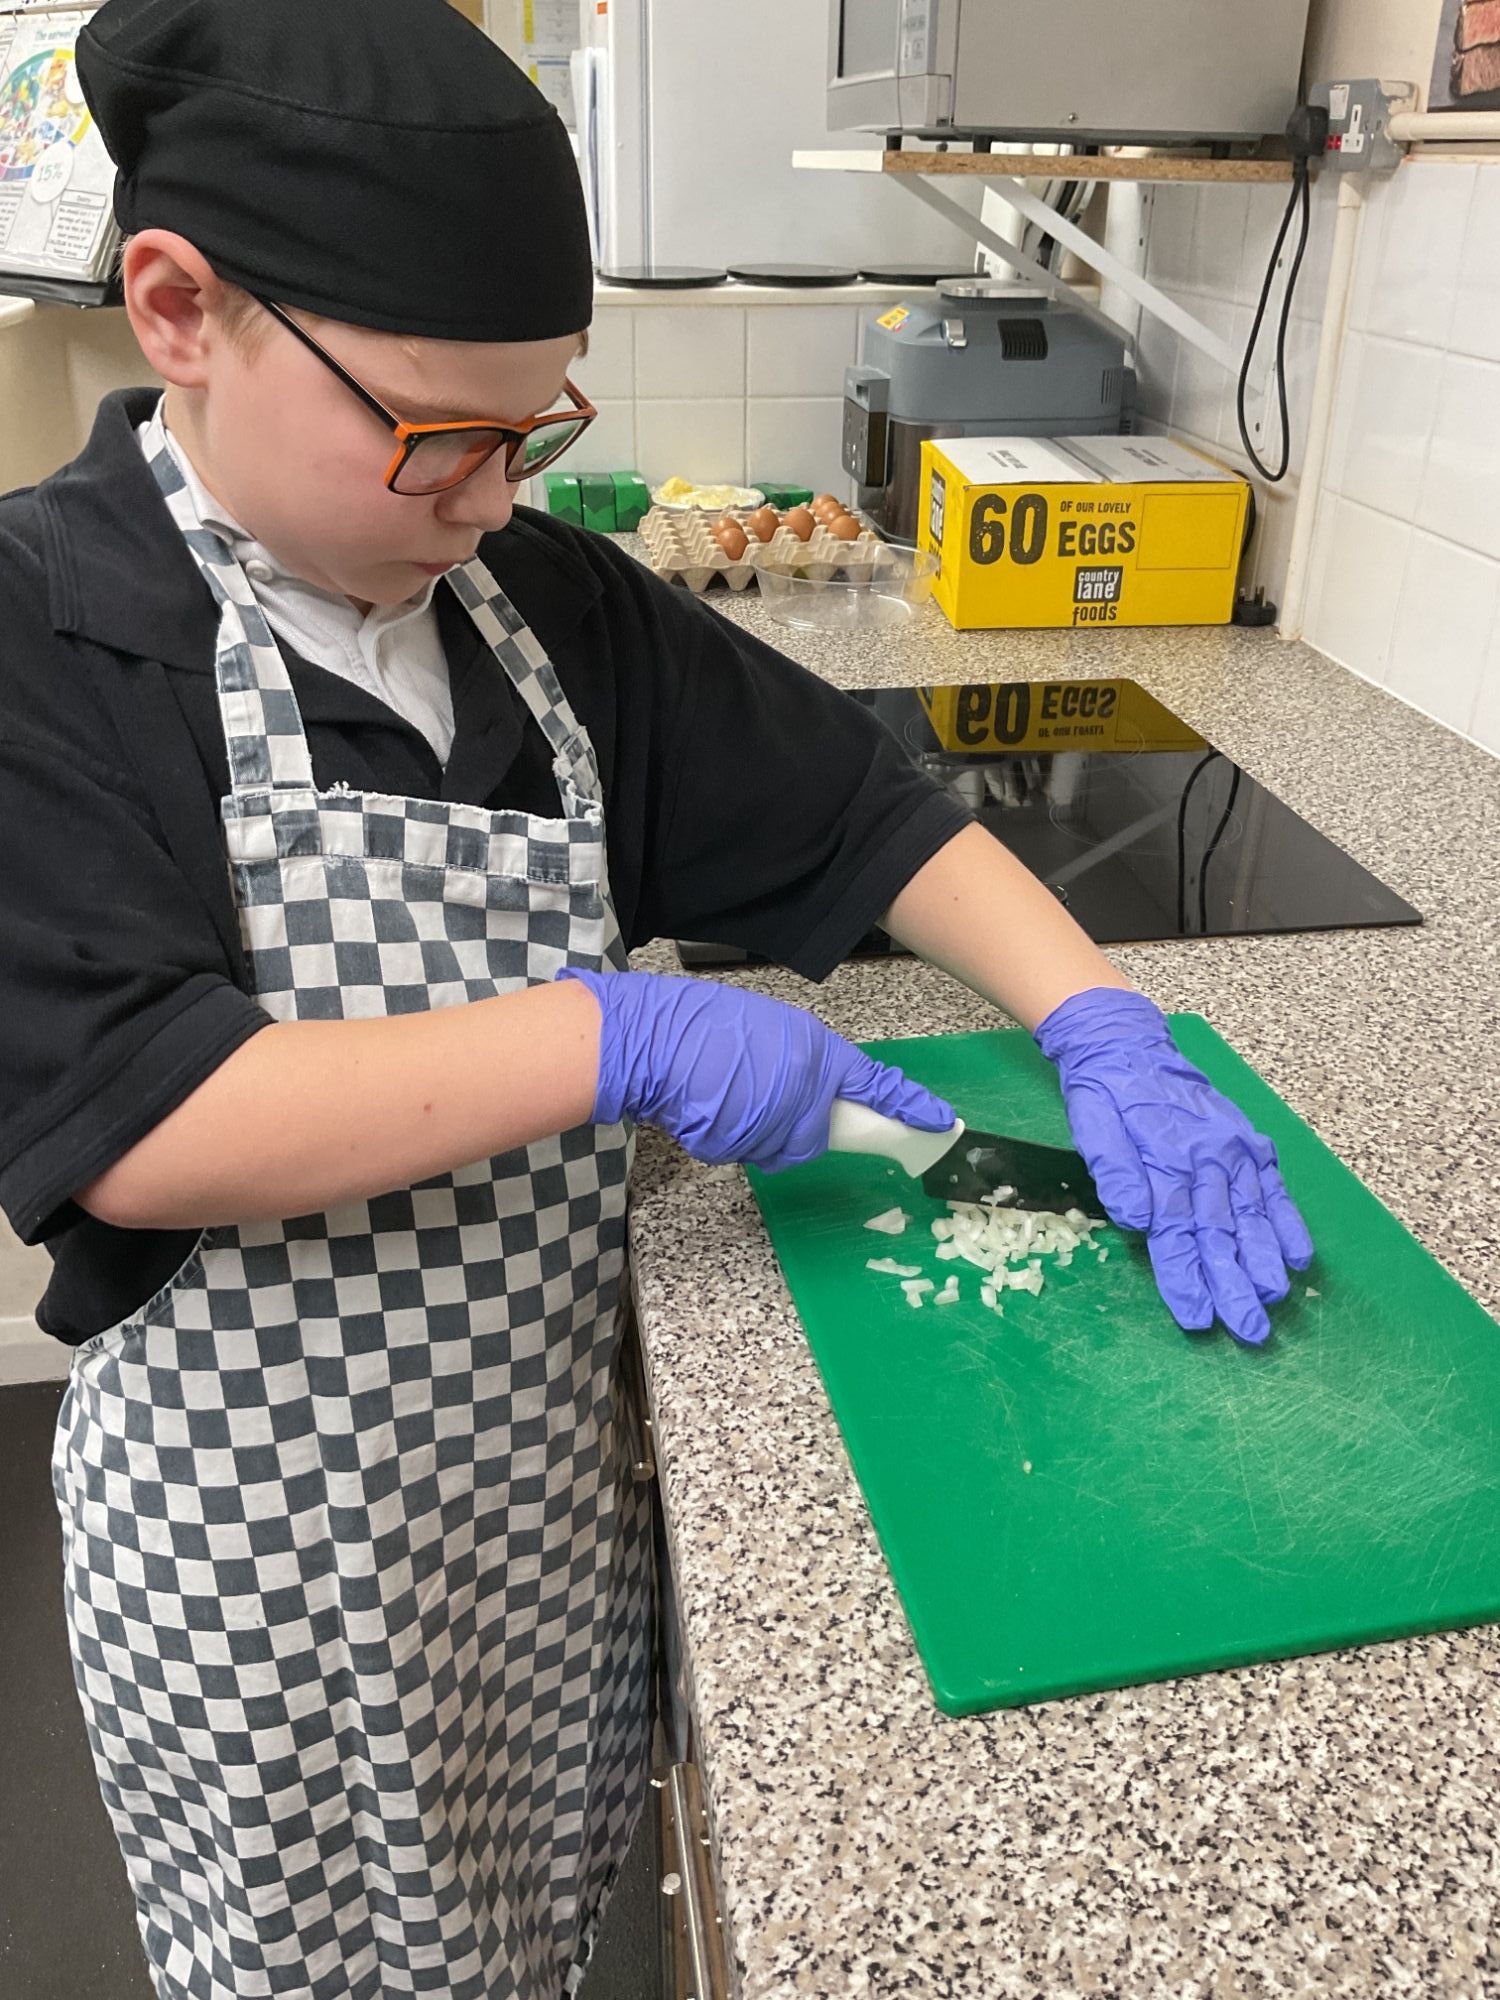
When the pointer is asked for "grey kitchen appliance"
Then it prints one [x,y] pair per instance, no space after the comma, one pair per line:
[1107,72]
[974,358]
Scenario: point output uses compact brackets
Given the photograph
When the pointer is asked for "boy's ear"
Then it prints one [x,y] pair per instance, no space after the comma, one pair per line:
[173,297]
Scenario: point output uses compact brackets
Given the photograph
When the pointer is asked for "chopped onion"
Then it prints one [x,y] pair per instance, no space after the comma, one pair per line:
[891,1223]
[1007,1245]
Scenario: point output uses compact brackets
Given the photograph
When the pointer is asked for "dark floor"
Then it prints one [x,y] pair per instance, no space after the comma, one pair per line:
[67,1924]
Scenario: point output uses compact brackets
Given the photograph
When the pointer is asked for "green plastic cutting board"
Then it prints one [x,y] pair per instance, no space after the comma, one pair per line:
[1081,1496]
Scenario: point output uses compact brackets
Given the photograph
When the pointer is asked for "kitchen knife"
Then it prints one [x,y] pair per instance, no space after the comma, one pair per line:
[964,1165]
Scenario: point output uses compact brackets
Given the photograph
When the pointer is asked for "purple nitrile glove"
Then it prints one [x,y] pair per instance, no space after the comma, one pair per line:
[732,1075]
[1171,1155]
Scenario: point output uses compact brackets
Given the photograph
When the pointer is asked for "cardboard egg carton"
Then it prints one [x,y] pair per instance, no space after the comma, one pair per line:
[682,550]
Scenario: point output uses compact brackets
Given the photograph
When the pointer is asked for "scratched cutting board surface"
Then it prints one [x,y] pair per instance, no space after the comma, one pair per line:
[1080,1496]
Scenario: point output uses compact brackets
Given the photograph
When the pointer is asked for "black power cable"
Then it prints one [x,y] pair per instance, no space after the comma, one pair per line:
[1212,849]
[1307,135]
[1299,194]
[1182,807]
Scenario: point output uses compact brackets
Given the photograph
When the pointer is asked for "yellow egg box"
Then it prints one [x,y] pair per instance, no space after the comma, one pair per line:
[1081,531]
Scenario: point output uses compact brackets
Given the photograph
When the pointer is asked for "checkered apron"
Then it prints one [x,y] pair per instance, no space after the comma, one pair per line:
[356,1573]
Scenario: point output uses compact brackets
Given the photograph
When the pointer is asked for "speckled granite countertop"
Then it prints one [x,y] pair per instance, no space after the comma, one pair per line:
[1322,1826]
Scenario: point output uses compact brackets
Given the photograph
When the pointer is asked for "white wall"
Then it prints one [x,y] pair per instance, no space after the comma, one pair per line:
[1208,247]
[1406,567]
[733,390]
[1392,39]
[55,364]
[1405,583]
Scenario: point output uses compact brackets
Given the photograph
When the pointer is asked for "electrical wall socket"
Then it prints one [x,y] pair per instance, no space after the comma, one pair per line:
[1358,111]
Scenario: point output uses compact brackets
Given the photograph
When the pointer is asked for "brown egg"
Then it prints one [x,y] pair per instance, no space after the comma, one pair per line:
[844,527]
[825,506]
[730,536]
[801,523]
[763,523]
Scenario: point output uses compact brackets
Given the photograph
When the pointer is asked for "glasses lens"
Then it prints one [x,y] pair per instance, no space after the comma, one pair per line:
[545,443]
[443,458]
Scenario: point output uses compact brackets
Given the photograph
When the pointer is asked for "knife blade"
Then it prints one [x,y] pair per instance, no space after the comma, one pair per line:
[962,1164]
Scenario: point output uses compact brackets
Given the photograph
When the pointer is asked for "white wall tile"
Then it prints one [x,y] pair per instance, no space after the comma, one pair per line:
[1156,366]
[1169,248]
[1218,239]
[1346,396]
[608,445]
[1312,280]
[1202,390]
[1476,313]
[1484,725]
[1361,564]
[800,350]
[1262,403]
[1395,401]
[698,439]
[796,441]
[1302,342]
[1264,207]
[1263,223]
[1444,627]
[608,369]
[690,350]
[1369,239]
[1460,494]
[1417,281]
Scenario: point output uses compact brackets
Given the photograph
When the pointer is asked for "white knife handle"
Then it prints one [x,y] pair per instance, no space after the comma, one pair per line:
[855,1128]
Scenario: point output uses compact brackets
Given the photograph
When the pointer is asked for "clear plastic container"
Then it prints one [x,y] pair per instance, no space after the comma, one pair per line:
[888,589]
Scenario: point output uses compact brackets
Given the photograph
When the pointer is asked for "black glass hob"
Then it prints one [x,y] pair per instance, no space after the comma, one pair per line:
[1134,821]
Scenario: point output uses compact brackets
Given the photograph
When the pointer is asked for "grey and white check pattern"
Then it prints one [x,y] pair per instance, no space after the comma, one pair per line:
[356,1573]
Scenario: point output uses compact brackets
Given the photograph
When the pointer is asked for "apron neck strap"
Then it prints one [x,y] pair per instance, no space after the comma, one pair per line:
[263,729]
[520,653]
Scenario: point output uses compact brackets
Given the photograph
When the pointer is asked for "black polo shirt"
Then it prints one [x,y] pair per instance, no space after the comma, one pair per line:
[746,802]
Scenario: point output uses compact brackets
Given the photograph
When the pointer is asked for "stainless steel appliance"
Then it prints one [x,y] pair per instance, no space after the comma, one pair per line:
[1103,71]
[975,358]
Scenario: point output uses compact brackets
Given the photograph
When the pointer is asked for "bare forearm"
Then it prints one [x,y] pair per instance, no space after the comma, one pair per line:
[308,1114]
[977,912]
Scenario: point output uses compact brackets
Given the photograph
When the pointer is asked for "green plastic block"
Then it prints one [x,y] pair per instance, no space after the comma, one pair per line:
[785,496]
[598,491]
[632,501]
[563,497]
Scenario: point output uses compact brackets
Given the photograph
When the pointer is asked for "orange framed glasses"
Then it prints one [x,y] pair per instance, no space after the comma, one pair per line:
[432,457]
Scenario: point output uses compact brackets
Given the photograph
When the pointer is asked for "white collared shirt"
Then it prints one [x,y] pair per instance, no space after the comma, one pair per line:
[392,651]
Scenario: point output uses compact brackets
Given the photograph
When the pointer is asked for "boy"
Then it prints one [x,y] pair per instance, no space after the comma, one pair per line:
[331,1145]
